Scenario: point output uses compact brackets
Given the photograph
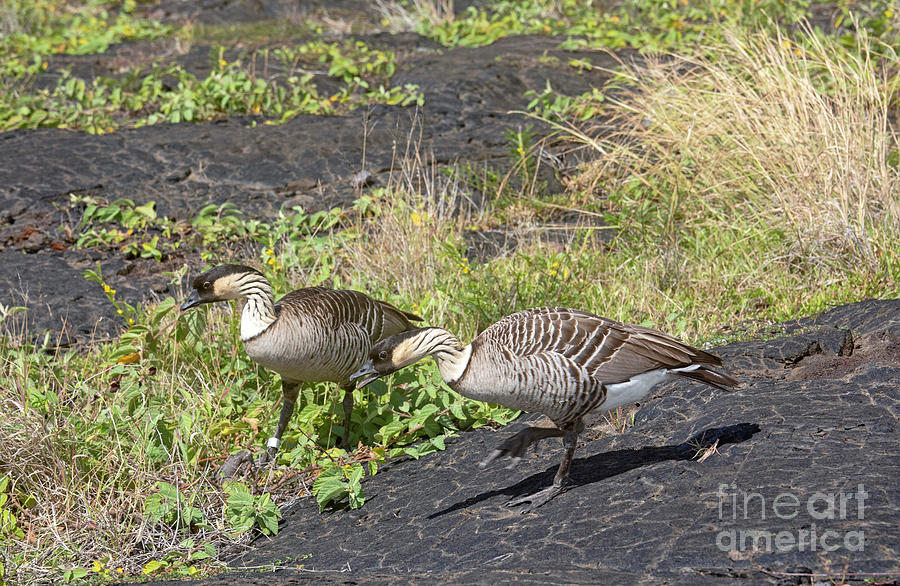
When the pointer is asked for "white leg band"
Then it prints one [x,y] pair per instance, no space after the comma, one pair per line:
[273,442]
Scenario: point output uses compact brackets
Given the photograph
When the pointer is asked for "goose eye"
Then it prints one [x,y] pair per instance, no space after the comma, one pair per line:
[206,285]
[382,355]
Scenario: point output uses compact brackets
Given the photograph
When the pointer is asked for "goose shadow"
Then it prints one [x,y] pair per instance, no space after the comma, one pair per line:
[605,465]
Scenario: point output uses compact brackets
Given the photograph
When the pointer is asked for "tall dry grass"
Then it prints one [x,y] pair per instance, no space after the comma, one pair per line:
[765,134]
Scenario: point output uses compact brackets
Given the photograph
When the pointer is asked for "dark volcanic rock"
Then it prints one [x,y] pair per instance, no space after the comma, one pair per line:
[790,457]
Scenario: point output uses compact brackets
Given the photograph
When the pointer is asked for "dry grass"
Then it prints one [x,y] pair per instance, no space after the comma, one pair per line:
[769,135]
[407,17]
[80,474]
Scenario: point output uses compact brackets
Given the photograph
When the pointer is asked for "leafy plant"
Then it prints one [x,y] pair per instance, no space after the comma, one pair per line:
[168,505]
[335,482]
[9,528]
[243,511]
[557,107]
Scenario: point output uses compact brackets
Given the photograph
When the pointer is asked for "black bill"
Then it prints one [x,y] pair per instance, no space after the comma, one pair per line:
[192,300]
[365,374]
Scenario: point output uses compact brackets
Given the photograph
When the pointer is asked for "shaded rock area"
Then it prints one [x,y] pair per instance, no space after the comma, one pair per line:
[314,162]
[794,450]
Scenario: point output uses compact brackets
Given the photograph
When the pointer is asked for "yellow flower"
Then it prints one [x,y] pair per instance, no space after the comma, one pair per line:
[271,261]
[130,320]
[270,252]
[416,218]
[222,63]
[119,311]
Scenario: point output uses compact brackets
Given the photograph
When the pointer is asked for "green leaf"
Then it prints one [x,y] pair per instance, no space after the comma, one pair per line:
[356,474]
[391,430]
[329,490]
[152,566]
[457,410]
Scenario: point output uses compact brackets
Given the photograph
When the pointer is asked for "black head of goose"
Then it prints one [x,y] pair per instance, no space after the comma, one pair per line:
[561,362]
[313,334]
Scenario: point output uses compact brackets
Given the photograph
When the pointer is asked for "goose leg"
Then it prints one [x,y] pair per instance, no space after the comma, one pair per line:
[348,410]
[516,446]
[290,390]
[570,442]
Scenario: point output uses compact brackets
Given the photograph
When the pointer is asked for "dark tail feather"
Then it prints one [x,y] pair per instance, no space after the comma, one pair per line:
[412,316]
[709,376]
[398,317]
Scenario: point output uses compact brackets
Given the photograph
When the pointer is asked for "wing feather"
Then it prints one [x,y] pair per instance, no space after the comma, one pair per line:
[609,351]
[343,308]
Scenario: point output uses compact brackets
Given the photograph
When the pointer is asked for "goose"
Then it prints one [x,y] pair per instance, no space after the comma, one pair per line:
[557,361]
[312,334]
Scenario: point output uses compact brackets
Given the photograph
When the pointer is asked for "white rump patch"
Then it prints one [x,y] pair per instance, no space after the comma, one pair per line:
[636,388]
[685,368]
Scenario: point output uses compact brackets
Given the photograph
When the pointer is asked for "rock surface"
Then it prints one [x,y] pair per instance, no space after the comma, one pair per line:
[807,443]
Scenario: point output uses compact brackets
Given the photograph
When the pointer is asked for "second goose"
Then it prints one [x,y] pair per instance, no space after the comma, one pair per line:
[310,335]
[561,362]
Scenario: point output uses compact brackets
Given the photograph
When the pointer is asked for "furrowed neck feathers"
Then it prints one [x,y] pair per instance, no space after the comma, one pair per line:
[259,305]
[451,356]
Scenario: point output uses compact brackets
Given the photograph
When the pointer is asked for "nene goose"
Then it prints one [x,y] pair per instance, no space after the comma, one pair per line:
[310,335]
[560,362]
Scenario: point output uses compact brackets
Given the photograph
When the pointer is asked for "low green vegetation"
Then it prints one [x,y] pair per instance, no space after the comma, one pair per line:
[646,25]
[272,84]
[752,181]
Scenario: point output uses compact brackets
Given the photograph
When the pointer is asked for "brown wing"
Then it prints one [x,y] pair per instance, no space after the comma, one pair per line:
[346,307]
[608,350]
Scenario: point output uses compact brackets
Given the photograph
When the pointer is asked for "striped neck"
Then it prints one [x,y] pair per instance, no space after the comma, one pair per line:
[451,356]
[259,305]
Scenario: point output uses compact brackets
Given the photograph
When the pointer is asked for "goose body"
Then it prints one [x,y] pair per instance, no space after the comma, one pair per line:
[313,334]
[563,363]
[319,334]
